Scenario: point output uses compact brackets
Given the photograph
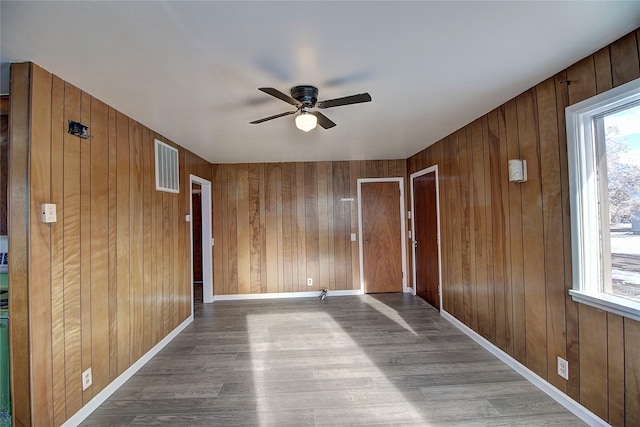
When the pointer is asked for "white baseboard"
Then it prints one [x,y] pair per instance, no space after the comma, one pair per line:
[577,409]
[310,294]
[114,385]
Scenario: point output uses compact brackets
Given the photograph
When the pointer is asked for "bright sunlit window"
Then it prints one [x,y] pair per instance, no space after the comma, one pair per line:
[603,136]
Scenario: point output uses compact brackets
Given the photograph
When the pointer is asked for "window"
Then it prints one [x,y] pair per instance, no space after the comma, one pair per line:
[603,136]
[166,168]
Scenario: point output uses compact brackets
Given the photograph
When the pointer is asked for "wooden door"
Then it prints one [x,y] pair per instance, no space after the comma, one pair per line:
[381,237]
[425,240]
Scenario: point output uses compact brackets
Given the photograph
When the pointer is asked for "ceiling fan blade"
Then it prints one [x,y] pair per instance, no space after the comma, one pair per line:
[275,92]
[255,122]
[347,100]
[323,120]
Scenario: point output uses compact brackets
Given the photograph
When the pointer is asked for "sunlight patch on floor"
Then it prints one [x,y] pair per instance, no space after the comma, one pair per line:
[389,312]
[273,335]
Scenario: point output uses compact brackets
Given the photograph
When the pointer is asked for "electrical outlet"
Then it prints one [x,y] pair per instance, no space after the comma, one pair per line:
[309,281]
[563,368]
[86,379]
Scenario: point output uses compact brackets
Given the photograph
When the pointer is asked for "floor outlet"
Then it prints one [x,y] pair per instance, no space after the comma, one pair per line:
[86,379]
[563,368]
[309,281]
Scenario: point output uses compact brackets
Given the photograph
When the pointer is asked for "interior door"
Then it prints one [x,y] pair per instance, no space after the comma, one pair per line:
[382,237]
[425,240]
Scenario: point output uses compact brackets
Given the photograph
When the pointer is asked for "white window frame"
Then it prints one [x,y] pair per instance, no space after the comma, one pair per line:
[586,228]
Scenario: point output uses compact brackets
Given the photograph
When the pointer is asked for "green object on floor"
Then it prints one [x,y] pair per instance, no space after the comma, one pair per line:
[5,397]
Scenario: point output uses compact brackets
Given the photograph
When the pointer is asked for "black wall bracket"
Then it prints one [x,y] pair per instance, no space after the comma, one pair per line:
[78,129]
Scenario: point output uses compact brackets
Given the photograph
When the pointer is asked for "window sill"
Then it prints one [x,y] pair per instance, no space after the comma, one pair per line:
[613,304]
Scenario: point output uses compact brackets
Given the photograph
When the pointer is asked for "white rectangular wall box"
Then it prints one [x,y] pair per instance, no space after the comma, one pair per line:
[48,211]
[517,170]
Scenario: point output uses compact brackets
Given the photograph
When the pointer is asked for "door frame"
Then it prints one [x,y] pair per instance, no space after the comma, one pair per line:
[207,231]
[403,226]
[414,175]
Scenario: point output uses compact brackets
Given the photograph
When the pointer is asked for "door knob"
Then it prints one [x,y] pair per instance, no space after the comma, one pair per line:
[366,242]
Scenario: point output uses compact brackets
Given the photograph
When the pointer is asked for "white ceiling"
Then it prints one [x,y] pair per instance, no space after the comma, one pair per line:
[190,70]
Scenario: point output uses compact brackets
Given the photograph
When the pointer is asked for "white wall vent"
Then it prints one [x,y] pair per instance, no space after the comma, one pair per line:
[167,176]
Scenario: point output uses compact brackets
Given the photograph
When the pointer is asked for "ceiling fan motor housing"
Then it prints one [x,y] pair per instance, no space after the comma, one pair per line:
[305,94]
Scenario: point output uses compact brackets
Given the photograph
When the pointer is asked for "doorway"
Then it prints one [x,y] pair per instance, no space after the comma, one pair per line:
[201,240]
[196,224]
[382,235]
[426,235]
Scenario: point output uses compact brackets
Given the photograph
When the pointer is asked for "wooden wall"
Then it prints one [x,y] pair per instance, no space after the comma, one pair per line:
[111,277]
[4,161]
[276,224]
[506,254]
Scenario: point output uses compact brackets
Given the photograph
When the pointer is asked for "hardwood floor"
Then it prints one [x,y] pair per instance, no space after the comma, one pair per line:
[381,359]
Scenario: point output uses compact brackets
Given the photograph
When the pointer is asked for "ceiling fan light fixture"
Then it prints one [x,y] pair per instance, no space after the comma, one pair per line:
[306,121]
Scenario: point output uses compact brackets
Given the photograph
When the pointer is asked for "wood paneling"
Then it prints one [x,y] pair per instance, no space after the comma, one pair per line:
[4,161]
[105,282]
[511,243]
[307,225]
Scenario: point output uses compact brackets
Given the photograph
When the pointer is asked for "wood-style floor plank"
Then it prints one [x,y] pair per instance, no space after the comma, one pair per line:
[383,359]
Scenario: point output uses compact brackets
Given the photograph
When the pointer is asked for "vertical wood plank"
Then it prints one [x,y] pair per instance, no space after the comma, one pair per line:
[496,205]
[480,319]
[455,219]
[113,241]
[355,171]
[122,242]
[71,225]
[99,243]
[631,371]
[323,228]
[340,225]
[17,224]
[85,243]
[255,263]
[40,247]
[57,252]
[532,221]
[331,228]
[625,65]
[272,219]
[593,360]
[300,282]
[466,226]
[281,212]
[290,268]
[243,229]
[571,308]
[615,368]
[507,297]
[136,236]
[552,223]
[262,235]
[149,290]
[581,77]
[602,63]
[232,231]
[312,238]
[515,234]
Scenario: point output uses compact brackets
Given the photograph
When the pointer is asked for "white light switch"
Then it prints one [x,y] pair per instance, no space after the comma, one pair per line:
[353,237]
[48,211]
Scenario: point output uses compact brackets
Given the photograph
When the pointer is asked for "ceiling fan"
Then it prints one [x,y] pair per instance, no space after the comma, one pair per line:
[305,98]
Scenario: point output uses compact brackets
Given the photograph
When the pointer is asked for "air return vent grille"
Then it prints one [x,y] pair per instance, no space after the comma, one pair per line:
[167,168]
